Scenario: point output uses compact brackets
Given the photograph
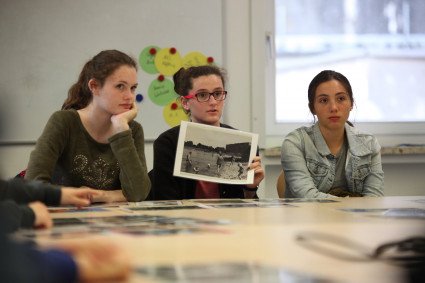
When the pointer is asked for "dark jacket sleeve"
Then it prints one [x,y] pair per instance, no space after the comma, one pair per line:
[164,185]
[16,216]
[128,148]
[22,192]
[23,262]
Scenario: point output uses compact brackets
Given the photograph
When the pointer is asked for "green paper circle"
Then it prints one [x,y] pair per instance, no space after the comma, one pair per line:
[161,92]
[147,60]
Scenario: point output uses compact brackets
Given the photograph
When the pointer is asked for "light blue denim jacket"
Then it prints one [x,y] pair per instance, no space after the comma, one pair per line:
[310,174]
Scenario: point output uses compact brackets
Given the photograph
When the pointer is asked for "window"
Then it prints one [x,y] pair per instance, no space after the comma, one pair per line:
[378,45]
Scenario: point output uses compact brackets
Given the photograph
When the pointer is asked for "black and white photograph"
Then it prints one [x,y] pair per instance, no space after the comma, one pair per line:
[225,272]
[215,154]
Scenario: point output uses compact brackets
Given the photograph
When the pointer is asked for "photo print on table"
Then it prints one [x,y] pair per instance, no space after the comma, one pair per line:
[215,154]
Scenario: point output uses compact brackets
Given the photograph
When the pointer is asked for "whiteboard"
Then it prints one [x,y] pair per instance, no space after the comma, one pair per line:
[45,43]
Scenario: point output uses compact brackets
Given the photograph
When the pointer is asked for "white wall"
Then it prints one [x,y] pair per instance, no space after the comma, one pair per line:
[246,90]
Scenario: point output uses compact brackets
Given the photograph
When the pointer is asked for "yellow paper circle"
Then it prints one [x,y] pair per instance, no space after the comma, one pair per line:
[166,63]
[174,115]
[194,59]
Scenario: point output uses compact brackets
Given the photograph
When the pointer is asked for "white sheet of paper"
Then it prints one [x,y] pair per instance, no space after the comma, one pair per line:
[215,154]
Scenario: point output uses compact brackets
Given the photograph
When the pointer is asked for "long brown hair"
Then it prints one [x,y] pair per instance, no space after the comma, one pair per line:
[99,68]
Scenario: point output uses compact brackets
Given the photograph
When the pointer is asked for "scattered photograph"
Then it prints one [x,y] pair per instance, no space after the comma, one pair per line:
[65,230]
[365,210]
[74,209]
[300,200]
[157,231]
[416,213]
[67,221]
[216,203]
[402,212]
[234,205]
[142,208]
[224,272]
[270,200]
[127,224]
[219,200]
[157,203]
[215,154]
[274,204]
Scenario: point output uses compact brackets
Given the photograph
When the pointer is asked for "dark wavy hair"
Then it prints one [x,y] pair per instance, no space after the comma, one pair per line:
[99,68]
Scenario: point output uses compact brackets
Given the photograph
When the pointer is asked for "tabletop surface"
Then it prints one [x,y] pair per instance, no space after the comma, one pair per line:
[266,240]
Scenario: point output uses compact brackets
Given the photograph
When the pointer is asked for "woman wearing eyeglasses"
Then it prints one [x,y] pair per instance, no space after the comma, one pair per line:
[202,94]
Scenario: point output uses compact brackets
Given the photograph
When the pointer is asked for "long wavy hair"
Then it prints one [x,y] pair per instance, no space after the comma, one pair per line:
[99,68]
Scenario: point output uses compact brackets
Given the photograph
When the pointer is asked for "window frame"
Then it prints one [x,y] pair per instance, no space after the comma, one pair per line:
[263,82]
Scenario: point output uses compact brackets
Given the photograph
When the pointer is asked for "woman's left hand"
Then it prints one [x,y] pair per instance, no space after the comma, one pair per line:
[78,196]
[258,172]
[109,196]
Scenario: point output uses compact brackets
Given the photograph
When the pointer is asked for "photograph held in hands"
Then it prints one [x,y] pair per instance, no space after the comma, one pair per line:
[215,154]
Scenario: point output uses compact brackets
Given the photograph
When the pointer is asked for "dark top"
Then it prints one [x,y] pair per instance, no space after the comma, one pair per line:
[165,186]
[15,193]
[23,262]
[66,154]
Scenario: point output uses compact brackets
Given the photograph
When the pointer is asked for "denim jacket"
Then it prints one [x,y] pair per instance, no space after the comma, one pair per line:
[310,169]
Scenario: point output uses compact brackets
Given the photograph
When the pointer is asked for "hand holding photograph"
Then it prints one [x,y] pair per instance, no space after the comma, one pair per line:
[215,154]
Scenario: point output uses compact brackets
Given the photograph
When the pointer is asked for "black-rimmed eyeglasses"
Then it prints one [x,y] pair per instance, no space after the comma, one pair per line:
[204,96]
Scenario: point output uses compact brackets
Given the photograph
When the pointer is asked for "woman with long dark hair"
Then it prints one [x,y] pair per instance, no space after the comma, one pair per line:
[94,141]
[331,158]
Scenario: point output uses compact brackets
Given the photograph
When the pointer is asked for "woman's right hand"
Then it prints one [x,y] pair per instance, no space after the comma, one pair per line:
[42,217]
[78,196]
[120,121]
[98,259]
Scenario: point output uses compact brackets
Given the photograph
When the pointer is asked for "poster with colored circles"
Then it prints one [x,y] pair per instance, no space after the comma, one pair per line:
[162,64]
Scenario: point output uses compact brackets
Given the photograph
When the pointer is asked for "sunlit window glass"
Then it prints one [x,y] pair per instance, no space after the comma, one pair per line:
[378,45]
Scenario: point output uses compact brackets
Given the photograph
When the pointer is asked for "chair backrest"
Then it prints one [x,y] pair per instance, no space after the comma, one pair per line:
[151,195]
[21,175]
[281,185]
